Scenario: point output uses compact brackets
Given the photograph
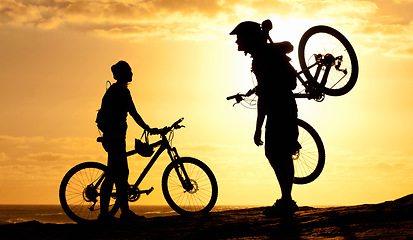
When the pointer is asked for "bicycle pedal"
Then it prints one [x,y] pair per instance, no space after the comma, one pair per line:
[147,192]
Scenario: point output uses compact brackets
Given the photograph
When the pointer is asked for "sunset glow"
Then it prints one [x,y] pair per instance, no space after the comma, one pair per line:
[56,58]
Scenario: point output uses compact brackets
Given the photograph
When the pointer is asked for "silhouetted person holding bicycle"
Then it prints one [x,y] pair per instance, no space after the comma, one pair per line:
[116,104]
[276,80]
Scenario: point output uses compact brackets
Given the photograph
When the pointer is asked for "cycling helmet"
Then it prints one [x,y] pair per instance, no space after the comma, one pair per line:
[247,28]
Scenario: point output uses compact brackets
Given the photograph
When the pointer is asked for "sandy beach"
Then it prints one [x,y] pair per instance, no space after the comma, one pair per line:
[387,220]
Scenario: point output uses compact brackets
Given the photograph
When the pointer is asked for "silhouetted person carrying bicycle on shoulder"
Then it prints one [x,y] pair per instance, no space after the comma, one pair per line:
[276,80]
[116,104]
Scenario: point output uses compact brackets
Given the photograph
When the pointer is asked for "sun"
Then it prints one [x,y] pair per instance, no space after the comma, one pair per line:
[291,30]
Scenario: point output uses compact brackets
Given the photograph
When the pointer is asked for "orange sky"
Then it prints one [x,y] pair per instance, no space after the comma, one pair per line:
[56,58]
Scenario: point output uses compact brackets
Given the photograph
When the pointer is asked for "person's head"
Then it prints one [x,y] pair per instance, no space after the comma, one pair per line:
[122,72]
[249,36]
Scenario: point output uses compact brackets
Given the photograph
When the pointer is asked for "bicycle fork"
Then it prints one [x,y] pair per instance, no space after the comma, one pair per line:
[180,170]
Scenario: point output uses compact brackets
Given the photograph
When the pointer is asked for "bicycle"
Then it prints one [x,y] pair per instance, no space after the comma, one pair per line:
[188,185]
[331,69]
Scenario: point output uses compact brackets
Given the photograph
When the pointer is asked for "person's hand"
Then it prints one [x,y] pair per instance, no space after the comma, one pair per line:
[257,138]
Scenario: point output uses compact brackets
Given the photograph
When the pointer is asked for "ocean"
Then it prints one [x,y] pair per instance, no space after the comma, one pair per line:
[54,213]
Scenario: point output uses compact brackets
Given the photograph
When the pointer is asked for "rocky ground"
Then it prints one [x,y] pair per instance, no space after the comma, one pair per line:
[388,220]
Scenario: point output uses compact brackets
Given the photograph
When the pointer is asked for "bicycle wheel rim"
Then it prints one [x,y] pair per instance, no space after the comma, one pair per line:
[309,161]
[73,197]
[199,200]
[326,40]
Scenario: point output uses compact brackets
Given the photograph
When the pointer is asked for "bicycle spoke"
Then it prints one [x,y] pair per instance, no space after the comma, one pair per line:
[308,155]
[327,43]
[79,195]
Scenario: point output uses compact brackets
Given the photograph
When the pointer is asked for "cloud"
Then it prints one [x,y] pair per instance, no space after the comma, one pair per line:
[383,26]
[19,142]
[130,17]
[28,163]
[374,166]
[56,157]
[42,149]
[4,157]
[387,39]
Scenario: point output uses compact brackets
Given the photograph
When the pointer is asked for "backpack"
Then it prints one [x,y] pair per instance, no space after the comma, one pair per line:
[290,76]
[101,117]
[100,120]
[287,72]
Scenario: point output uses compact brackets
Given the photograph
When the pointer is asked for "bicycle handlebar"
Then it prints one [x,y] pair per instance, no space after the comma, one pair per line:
[175,125]
[239,96]
[177,122]
[236,96]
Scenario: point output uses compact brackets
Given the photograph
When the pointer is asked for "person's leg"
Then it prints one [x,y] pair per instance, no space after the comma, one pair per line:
[283,166]
[107,184]
[278,150]
[280,144]
[119,165]
[105,191]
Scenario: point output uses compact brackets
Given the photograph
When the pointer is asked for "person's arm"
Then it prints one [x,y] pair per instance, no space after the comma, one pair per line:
[260,122]
[135,115]
[138,119]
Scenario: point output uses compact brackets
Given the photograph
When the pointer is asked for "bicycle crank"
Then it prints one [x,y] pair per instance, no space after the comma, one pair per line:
[135,193]
[147,192]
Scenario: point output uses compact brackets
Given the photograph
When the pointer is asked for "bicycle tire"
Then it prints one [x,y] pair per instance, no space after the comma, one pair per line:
[199,200]
[326,40]
[310,159]
[72,192]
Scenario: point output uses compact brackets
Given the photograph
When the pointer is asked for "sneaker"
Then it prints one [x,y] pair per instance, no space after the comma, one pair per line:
[281,208]
[130,216]
[274,209]
[293,206]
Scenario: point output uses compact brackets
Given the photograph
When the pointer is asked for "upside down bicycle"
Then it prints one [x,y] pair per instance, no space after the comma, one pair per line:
[330,66]
[188,185]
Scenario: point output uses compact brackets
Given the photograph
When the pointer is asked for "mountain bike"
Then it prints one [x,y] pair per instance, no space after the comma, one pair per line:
[188,185]
[330,67]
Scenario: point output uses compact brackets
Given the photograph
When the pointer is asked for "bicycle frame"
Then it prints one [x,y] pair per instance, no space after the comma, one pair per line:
[173,154]
[308,85]
[328,61]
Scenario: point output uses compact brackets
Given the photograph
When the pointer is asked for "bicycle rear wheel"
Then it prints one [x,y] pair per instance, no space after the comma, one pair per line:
[79,192]
[325,40]
[201,198]
[310,159]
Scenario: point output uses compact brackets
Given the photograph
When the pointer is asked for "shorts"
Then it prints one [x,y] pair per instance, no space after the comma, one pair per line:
[117,159]
[281,134]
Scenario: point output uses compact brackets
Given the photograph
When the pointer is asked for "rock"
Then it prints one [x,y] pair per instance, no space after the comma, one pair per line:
[391,219]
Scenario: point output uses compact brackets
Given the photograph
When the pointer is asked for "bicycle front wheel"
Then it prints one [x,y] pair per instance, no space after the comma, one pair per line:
[325,40]
[310,159]
[79,192]
[202,195]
